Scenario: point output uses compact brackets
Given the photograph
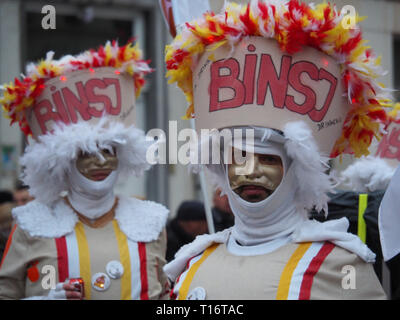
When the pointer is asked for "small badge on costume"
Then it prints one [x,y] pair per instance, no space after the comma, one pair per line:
[114,269]
[197,293]
[100,281]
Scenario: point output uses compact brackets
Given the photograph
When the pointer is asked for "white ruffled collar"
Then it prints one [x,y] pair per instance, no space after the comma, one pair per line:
[139,220]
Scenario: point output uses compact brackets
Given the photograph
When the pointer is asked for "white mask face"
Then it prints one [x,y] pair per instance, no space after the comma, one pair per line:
[95,168]
[261,180]
[263,216]
[92,198]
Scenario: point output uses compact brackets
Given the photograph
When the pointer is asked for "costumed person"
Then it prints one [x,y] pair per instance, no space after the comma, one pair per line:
[80,111]
[303,84]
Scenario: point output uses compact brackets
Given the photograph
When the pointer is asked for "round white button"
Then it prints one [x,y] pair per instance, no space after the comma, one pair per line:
[197,293]
[100,281]
[115,269]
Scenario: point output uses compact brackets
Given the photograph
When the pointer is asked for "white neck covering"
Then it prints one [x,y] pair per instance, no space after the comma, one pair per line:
[272,218]
[91,198]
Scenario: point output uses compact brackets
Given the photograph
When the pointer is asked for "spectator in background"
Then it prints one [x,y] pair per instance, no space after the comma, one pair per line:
[189,222]
[6,205]
[222,213]
[21,195]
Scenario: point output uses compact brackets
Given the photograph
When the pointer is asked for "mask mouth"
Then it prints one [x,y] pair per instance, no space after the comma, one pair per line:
[253,192]
[98,174]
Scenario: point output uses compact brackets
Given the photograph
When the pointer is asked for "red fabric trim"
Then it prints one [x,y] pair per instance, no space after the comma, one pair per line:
[8,244]
[172,294]
[144,294]
[62,259]
[315,264]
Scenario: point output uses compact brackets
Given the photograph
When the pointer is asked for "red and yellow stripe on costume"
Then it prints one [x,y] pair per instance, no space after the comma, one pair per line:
[292,272]
[74,260]
[82,253]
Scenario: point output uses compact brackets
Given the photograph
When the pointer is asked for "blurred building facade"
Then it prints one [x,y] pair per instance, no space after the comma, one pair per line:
[82,24]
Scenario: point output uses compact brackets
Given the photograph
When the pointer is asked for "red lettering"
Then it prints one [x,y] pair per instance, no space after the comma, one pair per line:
[267,76]
[250,64]
[57,99]
[114,110]
[294,79]
[48,115]
[93,98]
[230,81]
[73,103]
[318,115]
[269,79]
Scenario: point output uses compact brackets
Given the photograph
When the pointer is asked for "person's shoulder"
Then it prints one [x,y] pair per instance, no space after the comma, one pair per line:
[340,254]
[22,238]
[141,220]
[200,244]
[357,277]
[45,220]
[330,255]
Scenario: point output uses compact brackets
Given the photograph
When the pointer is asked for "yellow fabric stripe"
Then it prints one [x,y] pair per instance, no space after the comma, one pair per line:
[183,292]
[125,260]
[84,258]
[286,277]
[362,206]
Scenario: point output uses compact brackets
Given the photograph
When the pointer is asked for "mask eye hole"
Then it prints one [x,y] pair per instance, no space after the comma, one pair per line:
[236,152]
[269,159]
[107,152]
[83,155]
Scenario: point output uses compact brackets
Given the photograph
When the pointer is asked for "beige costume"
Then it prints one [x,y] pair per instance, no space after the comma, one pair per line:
[73,247]
[277,270]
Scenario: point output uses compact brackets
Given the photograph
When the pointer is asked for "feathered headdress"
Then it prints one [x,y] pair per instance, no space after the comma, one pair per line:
[21,95]
[295,26]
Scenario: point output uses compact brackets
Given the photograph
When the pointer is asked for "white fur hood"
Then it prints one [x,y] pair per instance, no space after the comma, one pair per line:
[139,220]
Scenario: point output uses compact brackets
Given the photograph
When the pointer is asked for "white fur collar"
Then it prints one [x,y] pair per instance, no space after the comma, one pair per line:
[40,220]
[140,220]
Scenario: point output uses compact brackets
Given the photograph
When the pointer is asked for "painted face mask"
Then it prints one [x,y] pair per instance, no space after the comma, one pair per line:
[263,176]
[91,182]
[94,168]
[261,195]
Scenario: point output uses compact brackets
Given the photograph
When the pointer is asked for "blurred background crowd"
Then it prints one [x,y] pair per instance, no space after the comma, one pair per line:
[8,200]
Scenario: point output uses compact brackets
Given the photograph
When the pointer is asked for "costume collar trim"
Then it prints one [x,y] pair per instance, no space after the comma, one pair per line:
[139,220]
[236,249]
